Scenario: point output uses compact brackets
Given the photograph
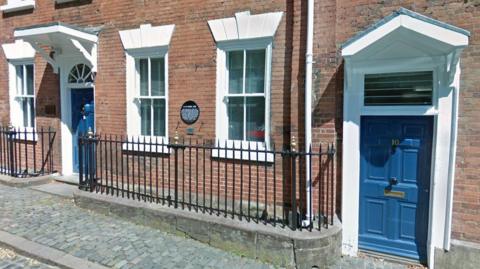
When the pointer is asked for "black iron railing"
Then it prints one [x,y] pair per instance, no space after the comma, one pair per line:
[237,180]
[26,152]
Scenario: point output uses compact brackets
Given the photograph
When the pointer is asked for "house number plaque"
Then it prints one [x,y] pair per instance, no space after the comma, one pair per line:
[190,112]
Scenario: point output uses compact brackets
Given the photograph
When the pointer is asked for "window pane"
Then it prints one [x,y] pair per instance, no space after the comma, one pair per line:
[145,117]
[29,79]
[159,117]
[28,111]
[411,88]
[235,71]
[255,71]
[235,118]
[19,71]
[143,70]
[255,118]
[31,112]
[158,77]
[25,111]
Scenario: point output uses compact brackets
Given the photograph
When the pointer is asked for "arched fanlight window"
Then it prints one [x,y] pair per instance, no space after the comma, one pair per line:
[81,73]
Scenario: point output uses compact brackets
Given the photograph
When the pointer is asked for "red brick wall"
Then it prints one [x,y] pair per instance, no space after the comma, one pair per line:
[192,61]
[192,65]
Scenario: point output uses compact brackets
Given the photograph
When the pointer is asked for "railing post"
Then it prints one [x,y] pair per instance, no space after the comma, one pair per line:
[11,156]
[175,149]
[90,143]
[293,156]
[81,183]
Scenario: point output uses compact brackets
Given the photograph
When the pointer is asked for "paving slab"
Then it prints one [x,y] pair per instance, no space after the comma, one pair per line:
[73,179]
[57,188]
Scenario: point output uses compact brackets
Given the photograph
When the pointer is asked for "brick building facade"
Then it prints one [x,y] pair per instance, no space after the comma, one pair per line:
[193,75]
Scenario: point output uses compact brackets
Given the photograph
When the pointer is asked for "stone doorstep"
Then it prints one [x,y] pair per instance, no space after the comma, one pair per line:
[279,246]
[462,254]
[45,254]
[26,182]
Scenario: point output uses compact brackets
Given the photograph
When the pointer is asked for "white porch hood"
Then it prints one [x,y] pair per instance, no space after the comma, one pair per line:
[62,39]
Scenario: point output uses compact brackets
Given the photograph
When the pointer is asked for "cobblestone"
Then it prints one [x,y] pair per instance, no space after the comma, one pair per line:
[11,260]
[112,242]
[52,221]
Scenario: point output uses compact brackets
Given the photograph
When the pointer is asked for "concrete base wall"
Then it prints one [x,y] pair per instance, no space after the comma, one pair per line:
[26,182]
[275,245]
[462,254]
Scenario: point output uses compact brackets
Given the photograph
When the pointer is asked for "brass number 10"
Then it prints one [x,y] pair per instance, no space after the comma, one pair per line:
[395,142]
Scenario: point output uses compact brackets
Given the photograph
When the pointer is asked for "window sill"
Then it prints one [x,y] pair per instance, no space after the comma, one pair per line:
[146,144]
[239,150]
[25,134]
[18,6]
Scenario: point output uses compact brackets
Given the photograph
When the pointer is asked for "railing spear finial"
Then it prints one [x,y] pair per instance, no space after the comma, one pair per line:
[293,143]
[176,138]
[90,133]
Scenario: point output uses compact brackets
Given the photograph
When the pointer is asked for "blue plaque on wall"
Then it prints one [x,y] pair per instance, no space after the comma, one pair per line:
[190,112]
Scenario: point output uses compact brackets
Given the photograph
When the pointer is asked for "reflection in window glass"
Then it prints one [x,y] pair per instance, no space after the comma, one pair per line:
[25,94]
[29,78]
[255,110]
[145,115]
[152,96]
[235,72]
[235,116]
[158,77]
[255,71]
[246,99]
[408,88]
[159,117]
[20,79]
[143,77]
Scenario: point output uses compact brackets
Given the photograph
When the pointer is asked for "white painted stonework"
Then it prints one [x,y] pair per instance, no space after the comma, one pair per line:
[147,36]
[245,26]
[19,50]
[403,44]
[17,5]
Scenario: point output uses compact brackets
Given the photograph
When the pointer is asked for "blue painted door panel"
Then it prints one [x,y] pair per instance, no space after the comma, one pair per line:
[82,118]
[395,159]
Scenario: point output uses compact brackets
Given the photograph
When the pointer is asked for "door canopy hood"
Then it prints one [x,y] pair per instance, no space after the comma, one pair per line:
[62,39]
[405,33]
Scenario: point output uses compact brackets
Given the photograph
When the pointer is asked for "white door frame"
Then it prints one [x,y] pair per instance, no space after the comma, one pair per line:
[441,110]
[66,64]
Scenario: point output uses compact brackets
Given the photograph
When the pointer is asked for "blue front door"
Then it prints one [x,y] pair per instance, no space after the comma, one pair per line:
[394,185]
[82,118]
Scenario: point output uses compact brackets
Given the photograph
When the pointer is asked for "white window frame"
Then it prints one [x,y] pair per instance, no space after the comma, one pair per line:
[21,93]
[133,96]
[221,102]
[16,110]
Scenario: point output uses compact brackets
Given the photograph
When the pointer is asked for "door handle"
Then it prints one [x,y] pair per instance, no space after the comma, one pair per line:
[393,181]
